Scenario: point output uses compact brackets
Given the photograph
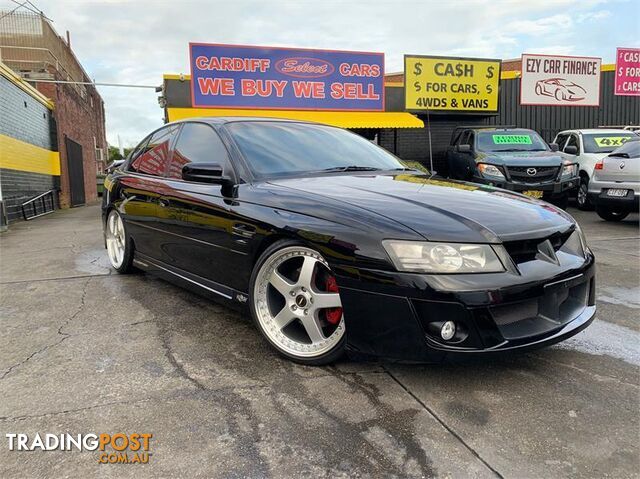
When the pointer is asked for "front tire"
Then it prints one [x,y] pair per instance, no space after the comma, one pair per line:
[296,305]
[119,245]
[582,196]
[611,215]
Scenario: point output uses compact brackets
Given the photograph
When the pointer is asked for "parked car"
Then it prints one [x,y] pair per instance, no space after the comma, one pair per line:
[515,159]
[333,244]
[586,147]
[615,186]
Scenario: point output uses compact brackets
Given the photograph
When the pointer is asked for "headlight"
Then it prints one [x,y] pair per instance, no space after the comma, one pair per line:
[576,244]
[426,257]
[490,171]
[569,170]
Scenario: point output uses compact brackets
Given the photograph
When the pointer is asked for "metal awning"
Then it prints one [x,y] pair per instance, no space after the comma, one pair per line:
[343,119]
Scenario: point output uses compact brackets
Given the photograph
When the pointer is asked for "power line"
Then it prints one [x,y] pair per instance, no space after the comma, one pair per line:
[68,82]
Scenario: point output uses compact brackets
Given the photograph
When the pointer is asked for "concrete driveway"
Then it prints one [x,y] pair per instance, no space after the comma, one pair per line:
[83,350]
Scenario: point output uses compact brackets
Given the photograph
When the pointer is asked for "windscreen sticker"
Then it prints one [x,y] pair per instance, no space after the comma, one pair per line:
[511,139]
[602,141]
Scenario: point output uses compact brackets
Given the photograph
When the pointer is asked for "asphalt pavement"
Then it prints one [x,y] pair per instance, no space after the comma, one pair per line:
[84,350]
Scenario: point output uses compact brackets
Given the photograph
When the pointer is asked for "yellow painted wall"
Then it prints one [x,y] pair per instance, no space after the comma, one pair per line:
[21,156]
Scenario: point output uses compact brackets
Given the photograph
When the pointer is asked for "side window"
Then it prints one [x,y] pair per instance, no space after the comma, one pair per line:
[137,151]
[198,143]
[154,156]
[463,138]
[471,140]
[573,141]
[561,139]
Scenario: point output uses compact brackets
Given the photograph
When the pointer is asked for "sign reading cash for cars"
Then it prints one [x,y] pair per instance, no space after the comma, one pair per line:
[467,85]
[560,80]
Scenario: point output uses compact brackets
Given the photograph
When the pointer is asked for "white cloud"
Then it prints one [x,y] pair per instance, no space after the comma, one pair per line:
[136,42]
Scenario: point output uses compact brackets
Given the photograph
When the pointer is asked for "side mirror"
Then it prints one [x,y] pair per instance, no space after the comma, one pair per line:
[204,173]
[464,148]
[554,147]
[571,150]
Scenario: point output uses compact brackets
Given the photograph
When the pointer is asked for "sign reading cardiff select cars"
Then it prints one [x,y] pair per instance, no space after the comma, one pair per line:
[560,80]
[451,84]
[233,76]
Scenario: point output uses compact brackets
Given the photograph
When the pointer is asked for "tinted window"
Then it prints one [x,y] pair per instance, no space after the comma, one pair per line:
[279,148]
[605,142]
[631,149]
[153,158]
[198,143]
[510,140]
[573,141]
[561,139]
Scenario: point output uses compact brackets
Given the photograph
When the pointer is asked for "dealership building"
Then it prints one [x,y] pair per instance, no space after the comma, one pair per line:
[421,133]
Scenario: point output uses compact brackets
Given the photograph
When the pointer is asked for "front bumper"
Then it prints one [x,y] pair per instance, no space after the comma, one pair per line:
[550,190]
[398,315]
[598,195]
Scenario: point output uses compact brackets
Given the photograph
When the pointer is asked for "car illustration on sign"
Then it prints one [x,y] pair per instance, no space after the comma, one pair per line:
[560,89]
[332,244]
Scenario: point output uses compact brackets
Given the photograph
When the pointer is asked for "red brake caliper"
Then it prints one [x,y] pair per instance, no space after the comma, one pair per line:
[333,315]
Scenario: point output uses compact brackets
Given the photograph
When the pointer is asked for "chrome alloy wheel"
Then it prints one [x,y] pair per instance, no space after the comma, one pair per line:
[115,239]
[294,306]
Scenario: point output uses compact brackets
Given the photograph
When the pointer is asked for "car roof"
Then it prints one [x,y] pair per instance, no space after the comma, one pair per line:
[596,130]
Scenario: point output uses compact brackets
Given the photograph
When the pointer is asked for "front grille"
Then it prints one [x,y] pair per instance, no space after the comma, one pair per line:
[526,250]
[521,174]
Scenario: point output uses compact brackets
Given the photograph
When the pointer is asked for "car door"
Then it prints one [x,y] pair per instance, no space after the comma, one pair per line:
[459,161]
[198,219]
[142,186]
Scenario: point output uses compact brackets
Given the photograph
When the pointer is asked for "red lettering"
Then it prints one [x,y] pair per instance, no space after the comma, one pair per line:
[216,86]
[359,70]
[353,91]
[263,88]
[308,89]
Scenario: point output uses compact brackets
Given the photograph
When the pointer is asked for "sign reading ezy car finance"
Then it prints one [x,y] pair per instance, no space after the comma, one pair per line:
[627,72]
[560,80]
[451,84]
[234,76]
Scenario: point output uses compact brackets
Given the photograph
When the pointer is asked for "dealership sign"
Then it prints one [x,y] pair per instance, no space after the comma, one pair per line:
[627,72]
[560,80]
[468,85]
[233,76]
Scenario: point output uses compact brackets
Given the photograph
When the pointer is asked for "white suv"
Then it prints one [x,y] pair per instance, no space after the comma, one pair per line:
[587,147]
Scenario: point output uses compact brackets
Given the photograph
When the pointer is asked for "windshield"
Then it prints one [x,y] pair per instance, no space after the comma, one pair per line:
[516,140]
[282,148]
[605,142]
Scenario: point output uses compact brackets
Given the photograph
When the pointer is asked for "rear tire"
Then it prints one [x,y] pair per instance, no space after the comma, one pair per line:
[119,244]
[292,310]
[608,214]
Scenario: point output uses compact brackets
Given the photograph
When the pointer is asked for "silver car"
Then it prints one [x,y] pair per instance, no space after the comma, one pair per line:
[614,188]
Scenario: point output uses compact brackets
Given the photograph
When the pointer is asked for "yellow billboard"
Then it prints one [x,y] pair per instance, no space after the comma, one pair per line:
[451,84]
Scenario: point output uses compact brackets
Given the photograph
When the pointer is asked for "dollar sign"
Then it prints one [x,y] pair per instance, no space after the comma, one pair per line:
[489,89]
[417,69]
[490,73]
[416,85]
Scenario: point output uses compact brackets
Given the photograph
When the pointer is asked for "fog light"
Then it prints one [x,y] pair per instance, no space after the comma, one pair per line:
[448,330]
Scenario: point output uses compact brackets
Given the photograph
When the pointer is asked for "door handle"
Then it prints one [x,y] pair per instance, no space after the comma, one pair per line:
[163,203]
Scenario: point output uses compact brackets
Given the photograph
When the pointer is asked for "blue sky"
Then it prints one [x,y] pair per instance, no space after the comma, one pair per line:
[136,42]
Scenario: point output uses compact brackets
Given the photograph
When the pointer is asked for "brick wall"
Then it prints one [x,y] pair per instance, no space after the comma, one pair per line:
[24,118]
[79,119]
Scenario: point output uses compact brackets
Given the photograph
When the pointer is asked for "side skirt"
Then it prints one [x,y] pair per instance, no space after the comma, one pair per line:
[195,283]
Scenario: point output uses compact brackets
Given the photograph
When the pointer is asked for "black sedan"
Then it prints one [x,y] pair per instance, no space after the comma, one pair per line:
[334,245]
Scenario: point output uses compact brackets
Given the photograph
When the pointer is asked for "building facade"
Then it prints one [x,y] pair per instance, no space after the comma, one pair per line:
[32,49]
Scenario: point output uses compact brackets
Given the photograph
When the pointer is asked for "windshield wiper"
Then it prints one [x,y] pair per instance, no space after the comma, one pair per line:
[350,168]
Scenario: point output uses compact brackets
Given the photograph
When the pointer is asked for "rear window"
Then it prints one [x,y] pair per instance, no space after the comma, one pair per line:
[631,149]
[510,140]
[605,142]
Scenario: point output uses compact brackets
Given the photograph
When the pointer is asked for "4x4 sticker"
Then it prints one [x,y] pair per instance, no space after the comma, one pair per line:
[511,139]
[610,140]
